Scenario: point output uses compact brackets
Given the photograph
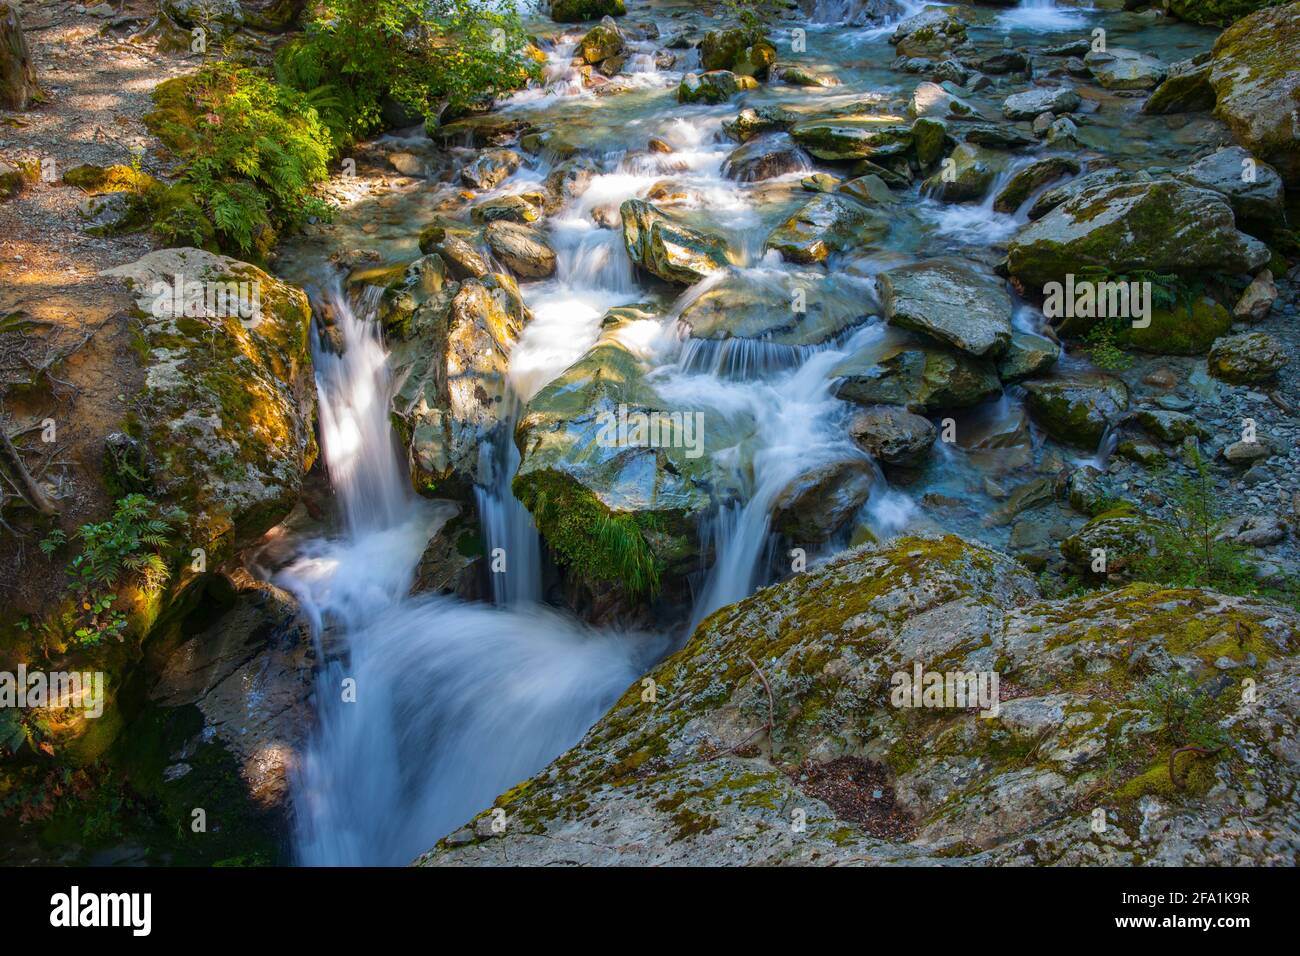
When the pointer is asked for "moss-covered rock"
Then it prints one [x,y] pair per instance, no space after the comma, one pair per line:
[1246,359]
[575,11]
[714,86]
[900,369]
[225,417]
[600,43]
[1215,13]
[826,224]
[1163,225]
[665,247]
[855,136]
[1110,544]
[972,171]
[1185,328]
[1077,411]
[736,50]
[810,678]
[1257,84]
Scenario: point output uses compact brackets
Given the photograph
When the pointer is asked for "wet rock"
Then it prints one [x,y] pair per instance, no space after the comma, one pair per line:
[933,33]
[765,157]
[600,43]
[1087,492]
[667,248]
[754,122]
[1247,359]
[450,563]
[569,180]
[758,306]
[1077,411]
[1056,195]
[522,249]
[1118,69]
[1028,355]
[1253,188]
[1024,497]
[951,303]
[520,209]
[490,168]
[819,183]
[1254,77]
[715,86]
[827,224]
[1186,89]
[798,76]
[1030,103]
[1255,302]
[819,502]
[892,435]
[930,138]
[932,100]
[901,370]
[463,260]
[972,173]
[735,51]
[996,137]
[1162,225]
[852,138]
[1026,181]
[408,164]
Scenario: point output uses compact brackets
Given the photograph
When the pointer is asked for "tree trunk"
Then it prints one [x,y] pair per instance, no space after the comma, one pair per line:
[17,74]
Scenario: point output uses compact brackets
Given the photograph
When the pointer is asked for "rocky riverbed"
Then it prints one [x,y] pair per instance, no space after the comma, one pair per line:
[885,336]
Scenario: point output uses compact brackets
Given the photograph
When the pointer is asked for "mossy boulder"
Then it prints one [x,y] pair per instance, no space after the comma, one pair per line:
[668,248]
[525,251]
[95,180]
[799,699]
[1162,225]
[1186,89]
[1078,410]
[1215,13]
[971,173]
[617,495]
[855,136]
[1253,188]
[1111,544]
[1185,328]
[224,420]
[828,223]
[932,34]
[1026,181]
[736,50]
[714,86]
[600,43]
[746,305]
[1028,355]
[1257,85]
[1247,359]
[901,369]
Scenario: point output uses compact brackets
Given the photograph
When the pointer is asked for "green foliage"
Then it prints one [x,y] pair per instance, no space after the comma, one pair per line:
[251,151]
[1103,349]
[426,56]
[128,547]
[1186,552]
[1185,711]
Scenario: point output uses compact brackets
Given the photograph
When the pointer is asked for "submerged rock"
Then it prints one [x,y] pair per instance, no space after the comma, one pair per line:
[801,696]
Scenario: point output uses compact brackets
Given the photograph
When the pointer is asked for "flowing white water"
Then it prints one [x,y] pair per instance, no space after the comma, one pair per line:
[436,705]
[1040,16]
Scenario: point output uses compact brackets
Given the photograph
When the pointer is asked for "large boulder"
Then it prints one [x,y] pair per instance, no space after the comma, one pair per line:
[892,435]
[1215,13]
[667,248]
[736,50]
[1186,89]
[827,224]
[714,86]
[900,369]
[950,302]
[817,503]
[757,304]
[807,704]
[600,43]
[1079,410]
[1257,85]
[1253,188]
[224,419]
[522,249]
[932,33]
[1163,225]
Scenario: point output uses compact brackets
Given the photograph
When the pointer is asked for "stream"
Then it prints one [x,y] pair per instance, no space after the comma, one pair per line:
[431,706]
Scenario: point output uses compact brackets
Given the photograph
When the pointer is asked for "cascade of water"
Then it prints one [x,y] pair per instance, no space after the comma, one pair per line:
[1040,16]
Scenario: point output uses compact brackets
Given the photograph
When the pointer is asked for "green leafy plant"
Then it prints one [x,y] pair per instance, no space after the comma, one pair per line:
[428,57]
[753,16]
[129,546]
[1104,350]
[251,152]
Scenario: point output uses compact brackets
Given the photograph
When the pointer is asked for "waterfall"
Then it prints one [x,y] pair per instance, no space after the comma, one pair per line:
[436,705]
[1040,16]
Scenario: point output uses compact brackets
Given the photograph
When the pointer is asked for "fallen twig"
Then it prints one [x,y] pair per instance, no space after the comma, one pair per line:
[1191,749]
